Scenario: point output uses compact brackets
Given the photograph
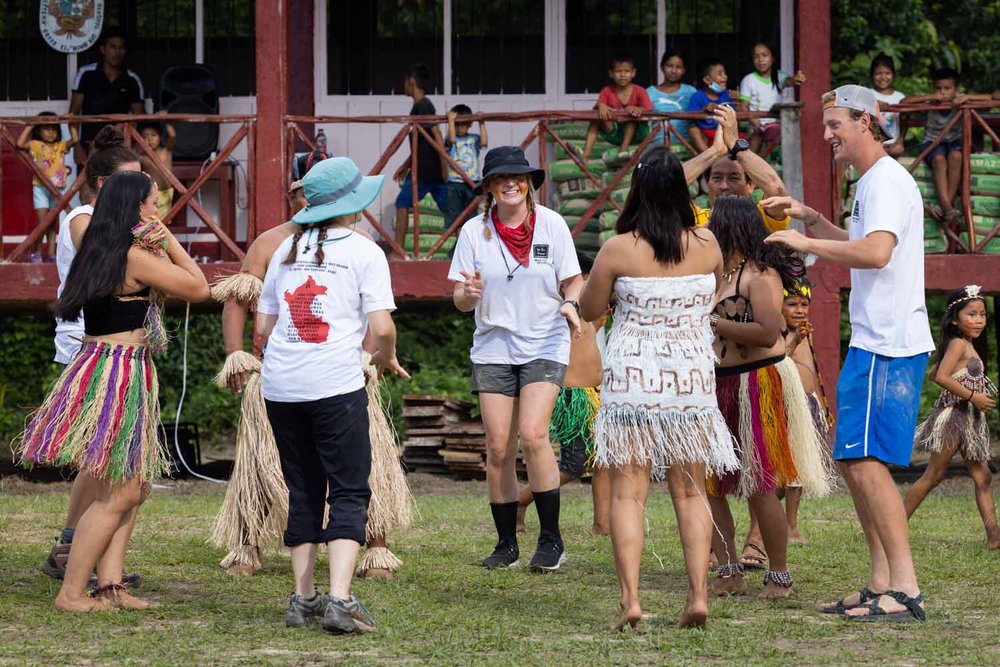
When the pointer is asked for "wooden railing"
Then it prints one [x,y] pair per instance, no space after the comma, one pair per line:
[127,122]
[969,116]
[412,129]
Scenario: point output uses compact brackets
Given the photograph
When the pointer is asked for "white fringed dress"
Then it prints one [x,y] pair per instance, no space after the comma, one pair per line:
[658,404]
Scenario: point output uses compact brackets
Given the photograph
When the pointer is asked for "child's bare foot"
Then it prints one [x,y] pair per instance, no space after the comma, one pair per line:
[598,530]
[242,570]
[732,585]
[631,616]
[379,573]
[695,616]
[85,603]
[794,536]
[521,511]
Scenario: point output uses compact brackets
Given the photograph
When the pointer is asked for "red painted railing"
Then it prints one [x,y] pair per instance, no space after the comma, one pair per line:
[969,116]
[127,122]
[541,132]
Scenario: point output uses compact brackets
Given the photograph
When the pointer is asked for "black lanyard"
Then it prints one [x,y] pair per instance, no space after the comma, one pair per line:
[503,255]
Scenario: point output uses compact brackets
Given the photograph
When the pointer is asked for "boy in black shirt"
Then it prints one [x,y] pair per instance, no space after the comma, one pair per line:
[432,169]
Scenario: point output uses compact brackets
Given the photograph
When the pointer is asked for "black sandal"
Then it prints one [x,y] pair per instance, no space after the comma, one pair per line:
[865,595]
[750,562]
[913,610]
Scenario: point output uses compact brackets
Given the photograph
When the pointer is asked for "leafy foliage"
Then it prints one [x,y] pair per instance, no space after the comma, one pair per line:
[920,35]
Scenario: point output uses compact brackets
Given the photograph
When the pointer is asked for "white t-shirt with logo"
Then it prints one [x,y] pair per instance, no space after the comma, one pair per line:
[761,93]
[314,350]
[518,320]
[68,334]
[888,313]
[891,120]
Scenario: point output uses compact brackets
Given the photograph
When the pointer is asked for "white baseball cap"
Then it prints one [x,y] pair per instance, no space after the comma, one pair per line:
[857,98]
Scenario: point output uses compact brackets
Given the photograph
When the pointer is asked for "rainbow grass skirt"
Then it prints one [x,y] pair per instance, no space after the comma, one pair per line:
[102,416]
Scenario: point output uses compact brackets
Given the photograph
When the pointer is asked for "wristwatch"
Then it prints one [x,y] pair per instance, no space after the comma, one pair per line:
[740,146]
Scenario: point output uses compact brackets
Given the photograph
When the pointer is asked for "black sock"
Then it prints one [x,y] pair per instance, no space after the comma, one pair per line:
[547,504]
[505,519]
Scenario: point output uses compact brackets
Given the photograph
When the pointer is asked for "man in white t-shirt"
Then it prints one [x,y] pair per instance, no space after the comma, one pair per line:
[878,393]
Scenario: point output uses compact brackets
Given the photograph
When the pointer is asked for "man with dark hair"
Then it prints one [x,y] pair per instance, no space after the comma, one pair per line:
[878,393]
[105,87]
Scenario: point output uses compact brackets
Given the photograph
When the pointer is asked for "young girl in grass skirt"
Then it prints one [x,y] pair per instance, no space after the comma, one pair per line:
[102,415]
[958,420]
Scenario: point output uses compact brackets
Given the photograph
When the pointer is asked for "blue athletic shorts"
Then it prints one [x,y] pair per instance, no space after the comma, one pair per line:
[877,402]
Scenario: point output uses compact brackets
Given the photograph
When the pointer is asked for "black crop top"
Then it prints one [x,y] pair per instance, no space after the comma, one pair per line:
[116,313]
[735,308]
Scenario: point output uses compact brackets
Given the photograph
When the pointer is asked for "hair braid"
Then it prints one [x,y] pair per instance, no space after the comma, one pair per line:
[529,200]
[293,252]
[319,244]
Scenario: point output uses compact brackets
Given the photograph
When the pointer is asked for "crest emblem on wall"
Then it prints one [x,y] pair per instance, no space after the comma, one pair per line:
[70,26]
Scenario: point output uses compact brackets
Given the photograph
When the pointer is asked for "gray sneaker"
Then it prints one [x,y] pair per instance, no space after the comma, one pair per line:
[345,616]
[303,611]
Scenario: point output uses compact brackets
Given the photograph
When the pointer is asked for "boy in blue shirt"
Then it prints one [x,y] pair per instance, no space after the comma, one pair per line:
[463,147]
[709,95]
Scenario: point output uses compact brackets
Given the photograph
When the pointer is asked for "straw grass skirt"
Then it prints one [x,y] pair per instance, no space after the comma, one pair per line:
[101,416]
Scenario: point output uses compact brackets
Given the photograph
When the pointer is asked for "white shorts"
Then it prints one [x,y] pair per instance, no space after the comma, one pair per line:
[43,197]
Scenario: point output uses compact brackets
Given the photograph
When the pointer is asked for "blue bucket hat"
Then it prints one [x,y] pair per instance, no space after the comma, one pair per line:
[335,187]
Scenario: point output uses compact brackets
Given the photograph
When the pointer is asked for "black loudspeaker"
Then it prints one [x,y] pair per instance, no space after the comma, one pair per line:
[191,89]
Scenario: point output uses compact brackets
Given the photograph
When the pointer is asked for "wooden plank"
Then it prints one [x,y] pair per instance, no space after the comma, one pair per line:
[423,410]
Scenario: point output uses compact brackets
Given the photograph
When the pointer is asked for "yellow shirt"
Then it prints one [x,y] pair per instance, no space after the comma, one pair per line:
[772,224]
[51,160]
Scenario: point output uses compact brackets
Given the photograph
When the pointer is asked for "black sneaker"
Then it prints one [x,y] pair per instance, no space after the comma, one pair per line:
[505,554]
[346,616]
[549,555]
[303,611]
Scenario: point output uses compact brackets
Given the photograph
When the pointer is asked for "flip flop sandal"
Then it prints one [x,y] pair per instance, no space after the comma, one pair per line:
[751,562]
[914,612]
[865,595]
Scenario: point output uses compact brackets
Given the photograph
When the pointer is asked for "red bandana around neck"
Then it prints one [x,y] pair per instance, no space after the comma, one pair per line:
[517,239]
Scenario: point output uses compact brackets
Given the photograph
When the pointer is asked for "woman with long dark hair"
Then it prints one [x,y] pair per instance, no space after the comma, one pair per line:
[658,414]
[515,266]
[101,416]
[108,155]
[759,393]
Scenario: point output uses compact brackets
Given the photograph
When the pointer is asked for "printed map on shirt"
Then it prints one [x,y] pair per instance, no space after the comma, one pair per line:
[314,350]
[518,320]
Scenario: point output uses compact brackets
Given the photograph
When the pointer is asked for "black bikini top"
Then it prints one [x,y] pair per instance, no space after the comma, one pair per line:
[736,308]
[116,313]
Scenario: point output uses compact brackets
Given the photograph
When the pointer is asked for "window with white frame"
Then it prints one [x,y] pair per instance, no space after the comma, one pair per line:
[597,30]
[29,69]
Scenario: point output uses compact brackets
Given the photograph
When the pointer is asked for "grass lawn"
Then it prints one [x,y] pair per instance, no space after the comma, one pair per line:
[443,609]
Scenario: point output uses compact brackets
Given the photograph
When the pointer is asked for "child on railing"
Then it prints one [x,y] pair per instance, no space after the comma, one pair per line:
[463,147]
[883,74]
[711,94]
[672,95]
[762,90]
[48,152]
[946,158]
[620,95]
[152,133]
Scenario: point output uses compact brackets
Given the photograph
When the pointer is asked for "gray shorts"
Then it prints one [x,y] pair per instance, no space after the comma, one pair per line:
[508,379]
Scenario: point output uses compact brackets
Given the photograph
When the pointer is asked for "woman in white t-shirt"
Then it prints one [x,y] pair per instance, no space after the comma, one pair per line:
[108,155]
[883,75]
[516,267]
[325,286]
